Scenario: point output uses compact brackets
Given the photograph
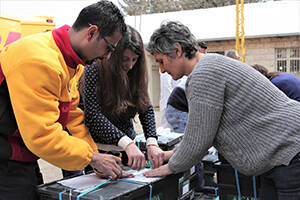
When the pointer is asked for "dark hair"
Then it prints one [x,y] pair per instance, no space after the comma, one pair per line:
[265,71]
[104,14]
[124,93]
[163,39]
[202,45]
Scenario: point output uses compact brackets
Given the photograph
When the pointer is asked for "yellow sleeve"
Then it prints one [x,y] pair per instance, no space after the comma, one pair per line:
[76,122]
[35,86]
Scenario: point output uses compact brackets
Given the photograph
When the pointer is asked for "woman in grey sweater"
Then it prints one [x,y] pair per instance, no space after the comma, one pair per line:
[234,108]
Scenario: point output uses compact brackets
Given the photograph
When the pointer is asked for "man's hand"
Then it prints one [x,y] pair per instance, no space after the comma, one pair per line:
[155,155]
[168,155]
[161,171]
[107,164]
[136,159]
[125,174]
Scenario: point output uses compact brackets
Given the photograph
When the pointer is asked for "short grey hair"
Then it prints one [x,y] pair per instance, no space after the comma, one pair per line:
[233,54]
[163,39]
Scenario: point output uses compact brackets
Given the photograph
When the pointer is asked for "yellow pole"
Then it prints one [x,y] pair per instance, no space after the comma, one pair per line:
[237,31]
[240,33]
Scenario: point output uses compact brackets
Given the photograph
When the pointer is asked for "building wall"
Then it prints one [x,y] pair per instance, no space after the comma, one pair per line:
[257,51]
[154,80]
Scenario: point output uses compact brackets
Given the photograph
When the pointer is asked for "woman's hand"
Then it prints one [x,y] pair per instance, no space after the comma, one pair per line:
[136,159]
[161,171]
[155,155]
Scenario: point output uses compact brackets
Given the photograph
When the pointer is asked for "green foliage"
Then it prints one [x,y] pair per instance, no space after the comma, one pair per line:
[137,7]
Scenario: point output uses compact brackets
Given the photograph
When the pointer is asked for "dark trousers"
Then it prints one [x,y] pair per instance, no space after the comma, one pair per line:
[282,182]
[38,173]
[18,180]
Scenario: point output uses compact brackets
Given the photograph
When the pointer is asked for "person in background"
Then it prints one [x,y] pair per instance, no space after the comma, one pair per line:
[233,54]
[166,87]
[286,82]
[177,107]
[113,92]
[202,47]
[230,108]
[39,100]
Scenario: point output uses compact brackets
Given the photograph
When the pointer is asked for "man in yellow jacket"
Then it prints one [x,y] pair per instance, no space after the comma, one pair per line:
[39,97]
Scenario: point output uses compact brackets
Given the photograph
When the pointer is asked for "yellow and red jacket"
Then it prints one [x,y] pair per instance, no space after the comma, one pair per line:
[41,73]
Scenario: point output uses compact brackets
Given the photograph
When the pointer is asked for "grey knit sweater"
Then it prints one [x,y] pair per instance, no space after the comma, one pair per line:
[233,107]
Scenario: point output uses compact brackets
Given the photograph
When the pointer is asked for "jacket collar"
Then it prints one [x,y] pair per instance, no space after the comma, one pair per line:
[62,40]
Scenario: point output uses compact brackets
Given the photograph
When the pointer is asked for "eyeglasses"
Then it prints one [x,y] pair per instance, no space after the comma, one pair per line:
[110,47]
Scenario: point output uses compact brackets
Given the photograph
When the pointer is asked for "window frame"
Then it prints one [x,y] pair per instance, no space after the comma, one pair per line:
[284,56]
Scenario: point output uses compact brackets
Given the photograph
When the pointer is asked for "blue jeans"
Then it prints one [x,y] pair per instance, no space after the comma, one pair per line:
[282,182]
[176,118]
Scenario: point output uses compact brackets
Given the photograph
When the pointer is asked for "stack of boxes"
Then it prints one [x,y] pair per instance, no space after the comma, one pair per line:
[227,184]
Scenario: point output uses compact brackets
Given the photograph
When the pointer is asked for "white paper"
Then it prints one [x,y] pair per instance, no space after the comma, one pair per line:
[164,133]
[85,182]
[82,183]
[169,134]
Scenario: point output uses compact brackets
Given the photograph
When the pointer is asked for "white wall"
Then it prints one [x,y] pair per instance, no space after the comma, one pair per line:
[278,17]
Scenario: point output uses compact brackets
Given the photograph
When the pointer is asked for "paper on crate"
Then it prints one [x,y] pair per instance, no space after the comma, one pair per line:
[85,182]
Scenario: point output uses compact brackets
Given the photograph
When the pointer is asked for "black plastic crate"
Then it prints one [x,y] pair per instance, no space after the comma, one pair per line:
[210,187]
[188,196]
[165,142]
[227,182]
[186,184]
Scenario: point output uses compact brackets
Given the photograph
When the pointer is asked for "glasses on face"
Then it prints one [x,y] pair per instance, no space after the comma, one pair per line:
[110,47]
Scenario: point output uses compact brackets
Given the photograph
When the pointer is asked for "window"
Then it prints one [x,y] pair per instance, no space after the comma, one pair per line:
[288,60]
